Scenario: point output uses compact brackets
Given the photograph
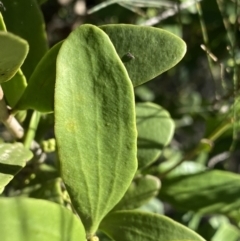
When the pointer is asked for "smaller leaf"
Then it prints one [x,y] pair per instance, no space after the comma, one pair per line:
[24,18]
[155,130]
[145,51]
[206,192]
[141,190]
[13,158]
[226,232]
[32,219]
[12,55]
[153,206]
[14,88]
[39,93]
[140,226]
[185,168]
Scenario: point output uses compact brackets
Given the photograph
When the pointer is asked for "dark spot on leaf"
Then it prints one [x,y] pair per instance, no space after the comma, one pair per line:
[127,57]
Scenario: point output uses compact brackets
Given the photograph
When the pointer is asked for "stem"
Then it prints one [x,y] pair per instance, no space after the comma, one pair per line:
[30,135]
[9,120]
[220,130]
[212,137]
[206,41]
[232,41]
[168,13]
[188,156]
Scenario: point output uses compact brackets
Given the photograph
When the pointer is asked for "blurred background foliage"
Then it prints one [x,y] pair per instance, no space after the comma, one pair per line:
[201,93]
[201,90]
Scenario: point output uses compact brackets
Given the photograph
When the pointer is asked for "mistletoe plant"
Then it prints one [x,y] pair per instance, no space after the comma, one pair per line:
[104,139]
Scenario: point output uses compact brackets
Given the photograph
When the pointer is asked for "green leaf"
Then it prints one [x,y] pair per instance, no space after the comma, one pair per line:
[24,18]
[13,52]
[149,61]
[153,206]
[226,232]
[207,192]
[155,130]
[13,158]
[14,88]
[145,51]
[185,168]
[142,189]
[94,124]
[31,219]
[39,93]
[141,226]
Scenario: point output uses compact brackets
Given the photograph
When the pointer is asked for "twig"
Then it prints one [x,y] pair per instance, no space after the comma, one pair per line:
[206,43]
[201,146]
[232,41]
[30,135]
[9,120]
[136,3]
[168,13]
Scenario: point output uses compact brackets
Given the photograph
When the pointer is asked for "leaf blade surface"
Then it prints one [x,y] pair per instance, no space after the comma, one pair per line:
[143,226]
[145,51]
[207,192]
[24,18]
[155,131]
[33,219]
[13,158]
[13,52]
[94,124]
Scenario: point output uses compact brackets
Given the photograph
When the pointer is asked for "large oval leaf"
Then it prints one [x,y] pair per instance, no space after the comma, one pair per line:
[155,130]
[13,52]
[39,93]
[32,219]
[206,192]
[146,51]
[140,226]
[13,158]
[24,18]
[94,124]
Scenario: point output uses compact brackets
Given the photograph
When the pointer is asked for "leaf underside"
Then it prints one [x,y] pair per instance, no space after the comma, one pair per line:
[94,124]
